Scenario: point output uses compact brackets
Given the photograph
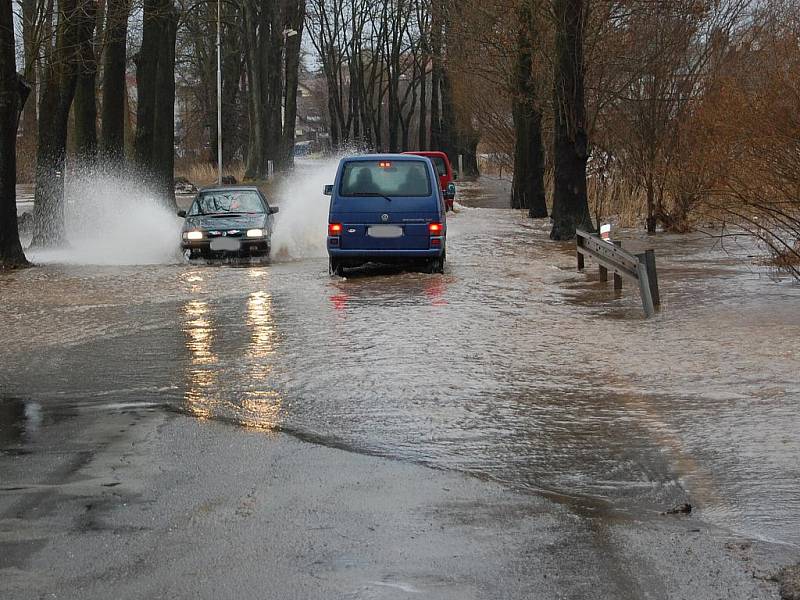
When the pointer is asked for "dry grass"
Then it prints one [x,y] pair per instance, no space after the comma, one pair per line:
[616,201]
[613,201]
[204,173]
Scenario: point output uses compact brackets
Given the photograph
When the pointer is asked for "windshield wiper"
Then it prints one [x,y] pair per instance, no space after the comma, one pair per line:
[223,215]
[363,194]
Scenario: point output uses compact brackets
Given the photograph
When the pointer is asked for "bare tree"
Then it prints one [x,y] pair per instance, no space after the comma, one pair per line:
[528,186]
[155,79]
[85,104]
[13,92]
[114,85]
[570,138]
[57,83]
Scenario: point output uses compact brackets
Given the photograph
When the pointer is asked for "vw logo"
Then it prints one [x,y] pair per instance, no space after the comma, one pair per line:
[384,217]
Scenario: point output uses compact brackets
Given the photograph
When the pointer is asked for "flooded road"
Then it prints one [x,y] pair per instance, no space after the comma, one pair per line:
[510,367]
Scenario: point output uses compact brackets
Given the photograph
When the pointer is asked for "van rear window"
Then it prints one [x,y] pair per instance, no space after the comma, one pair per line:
[385,178]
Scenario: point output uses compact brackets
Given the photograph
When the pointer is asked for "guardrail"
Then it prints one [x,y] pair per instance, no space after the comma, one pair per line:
[640,268]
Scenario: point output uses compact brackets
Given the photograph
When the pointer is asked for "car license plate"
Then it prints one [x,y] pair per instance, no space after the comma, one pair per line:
[225,244]
[385,231]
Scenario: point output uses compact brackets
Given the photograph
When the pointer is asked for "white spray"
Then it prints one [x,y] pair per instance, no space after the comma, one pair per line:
[301,225]
[111,220]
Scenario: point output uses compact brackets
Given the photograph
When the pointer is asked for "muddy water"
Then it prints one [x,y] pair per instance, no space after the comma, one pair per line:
[510,366]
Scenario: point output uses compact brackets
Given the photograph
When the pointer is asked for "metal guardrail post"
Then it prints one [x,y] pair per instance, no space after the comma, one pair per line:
[652,277]
[644,287]
[617,278]
[640,268]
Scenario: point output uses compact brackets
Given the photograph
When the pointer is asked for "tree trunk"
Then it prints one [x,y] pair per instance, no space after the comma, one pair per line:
[155,80]
[146,72]
[13,92]
[273,76]
[436,75]
[447,128]
[528,187]
[570,140]
[164,124]
[264,28]
[57,92]
[294,20]
[29,119]
[114,88]
[422,141]
[85,107]
[256,163]
[651,197]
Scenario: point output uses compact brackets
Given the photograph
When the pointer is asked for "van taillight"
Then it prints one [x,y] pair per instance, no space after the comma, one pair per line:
[435,228]
[334,229]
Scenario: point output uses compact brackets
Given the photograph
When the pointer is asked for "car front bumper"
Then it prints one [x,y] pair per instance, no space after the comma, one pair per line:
[245,245]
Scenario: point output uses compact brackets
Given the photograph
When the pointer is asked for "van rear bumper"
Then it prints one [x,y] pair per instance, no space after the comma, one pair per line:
[379,254]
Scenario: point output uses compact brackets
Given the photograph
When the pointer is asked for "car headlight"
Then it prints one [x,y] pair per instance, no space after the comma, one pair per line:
[193,235]
[255,233]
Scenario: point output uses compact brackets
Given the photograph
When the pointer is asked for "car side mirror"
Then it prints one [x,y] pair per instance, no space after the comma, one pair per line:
[274,209]
[328,190]
[450,193]
[182,214]
[455,174]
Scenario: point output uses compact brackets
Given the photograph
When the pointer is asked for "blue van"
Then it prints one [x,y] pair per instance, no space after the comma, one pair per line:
[386,208]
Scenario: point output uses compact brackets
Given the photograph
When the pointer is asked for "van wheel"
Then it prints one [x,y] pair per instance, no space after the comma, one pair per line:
[435,265]
[335,267]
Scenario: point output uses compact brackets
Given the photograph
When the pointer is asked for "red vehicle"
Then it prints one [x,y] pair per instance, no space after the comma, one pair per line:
[442,165]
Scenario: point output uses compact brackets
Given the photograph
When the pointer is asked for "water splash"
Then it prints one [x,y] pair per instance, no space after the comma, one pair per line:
[301,225]
[114,220]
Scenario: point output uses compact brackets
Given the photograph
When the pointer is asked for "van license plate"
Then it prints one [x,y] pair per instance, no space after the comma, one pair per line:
[385,231]
[225,244]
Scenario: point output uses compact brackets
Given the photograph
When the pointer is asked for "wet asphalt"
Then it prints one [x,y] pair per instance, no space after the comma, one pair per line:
[511,429]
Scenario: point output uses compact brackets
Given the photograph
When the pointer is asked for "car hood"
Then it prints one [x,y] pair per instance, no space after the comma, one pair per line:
[212,223]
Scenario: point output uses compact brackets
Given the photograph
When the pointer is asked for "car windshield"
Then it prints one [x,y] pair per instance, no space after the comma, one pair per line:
[385,178]
[231,201]
[441,168]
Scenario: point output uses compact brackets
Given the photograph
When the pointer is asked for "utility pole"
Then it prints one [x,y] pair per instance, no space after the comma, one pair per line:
[219,92]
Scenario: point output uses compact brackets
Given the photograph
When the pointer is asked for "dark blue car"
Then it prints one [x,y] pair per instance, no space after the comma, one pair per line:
[386,208]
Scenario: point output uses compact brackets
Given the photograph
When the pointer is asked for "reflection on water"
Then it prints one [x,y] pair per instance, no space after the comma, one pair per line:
[381,287]
[226,380]
[261,406]
[259,318]
[203,369]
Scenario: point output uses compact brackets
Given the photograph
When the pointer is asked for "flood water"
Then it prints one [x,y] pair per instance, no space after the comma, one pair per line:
[510,366]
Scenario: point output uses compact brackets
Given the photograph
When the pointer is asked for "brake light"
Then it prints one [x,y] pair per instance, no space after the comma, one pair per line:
[384,164]
[334,229]
[435,228]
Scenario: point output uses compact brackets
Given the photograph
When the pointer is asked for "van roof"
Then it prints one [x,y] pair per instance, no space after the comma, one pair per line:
[370,157]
